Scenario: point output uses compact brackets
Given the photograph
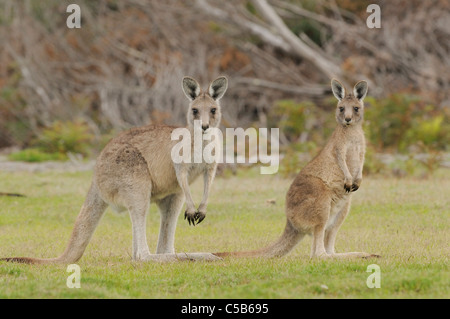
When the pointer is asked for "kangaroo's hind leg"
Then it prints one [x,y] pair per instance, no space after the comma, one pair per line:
[334,224]
[138,202]
[331,231]
[170,208]
[318,231]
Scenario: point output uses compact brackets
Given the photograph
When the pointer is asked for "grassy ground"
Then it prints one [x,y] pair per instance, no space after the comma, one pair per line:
[404,220]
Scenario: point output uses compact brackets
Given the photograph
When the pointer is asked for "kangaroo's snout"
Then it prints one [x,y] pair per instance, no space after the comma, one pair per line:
[205,127]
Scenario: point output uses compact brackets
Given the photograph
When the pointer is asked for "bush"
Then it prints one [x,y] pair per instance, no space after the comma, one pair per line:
[402,121]
[56,141]
[35,155]
[372,164]
[66,137]
[296,156]
[302,121]
[427,132]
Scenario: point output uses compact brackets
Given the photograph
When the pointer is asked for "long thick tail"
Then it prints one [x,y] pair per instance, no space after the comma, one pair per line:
[288,240]
[85,225]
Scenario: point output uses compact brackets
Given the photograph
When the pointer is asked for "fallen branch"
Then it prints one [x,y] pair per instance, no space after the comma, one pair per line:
[11,194]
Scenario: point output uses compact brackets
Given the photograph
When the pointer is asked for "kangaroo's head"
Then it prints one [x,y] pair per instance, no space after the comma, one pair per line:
[350,108]
[204,106]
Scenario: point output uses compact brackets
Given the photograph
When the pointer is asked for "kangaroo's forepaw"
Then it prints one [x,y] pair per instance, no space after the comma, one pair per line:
[190,217]
[348,188]
[195,217]
[199,216]
[355,187]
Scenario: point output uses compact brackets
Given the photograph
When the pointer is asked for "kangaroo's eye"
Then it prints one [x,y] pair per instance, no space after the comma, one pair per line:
[194,111]
[356,109]
[213,110]
[341,109]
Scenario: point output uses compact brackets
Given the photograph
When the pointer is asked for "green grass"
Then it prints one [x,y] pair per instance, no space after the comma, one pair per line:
[404,220]
[36,155]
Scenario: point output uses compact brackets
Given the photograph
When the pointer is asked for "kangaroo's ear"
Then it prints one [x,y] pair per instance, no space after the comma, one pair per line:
[360,90]
[218,87]
[338,89]
[191,88]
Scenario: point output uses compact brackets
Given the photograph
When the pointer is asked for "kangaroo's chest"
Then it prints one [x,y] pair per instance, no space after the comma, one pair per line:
[204,158]
[355,155]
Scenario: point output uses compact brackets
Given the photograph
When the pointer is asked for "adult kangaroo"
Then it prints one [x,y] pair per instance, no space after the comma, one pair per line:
[135,168]
[318,200]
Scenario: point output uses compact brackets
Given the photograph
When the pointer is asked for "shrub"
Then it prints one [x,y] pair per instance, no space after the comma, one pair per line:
[297,121]
[427,132]
[372,164]
[35,155]
[295,156]
[401,121]
[65,137]
[56,141]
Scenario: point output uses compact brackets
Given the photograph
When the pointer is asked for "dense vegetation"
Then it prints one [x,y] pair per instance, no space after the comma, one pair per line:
[68,91]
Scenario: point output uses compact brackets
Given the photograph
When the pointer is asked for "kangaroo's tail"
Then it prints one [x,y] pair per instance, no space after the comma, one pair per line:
[288,240]
[87,220]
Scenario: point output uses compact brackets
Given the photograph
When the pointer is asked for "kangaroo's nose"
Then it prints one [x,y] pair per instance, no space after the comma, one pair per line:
[205,127]
[347,119]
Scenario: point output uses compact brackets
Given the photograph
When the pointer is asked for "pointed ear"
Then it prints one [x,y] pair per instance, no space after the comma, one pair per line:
[218,87]
[191,88]
[360,90]
[338,89]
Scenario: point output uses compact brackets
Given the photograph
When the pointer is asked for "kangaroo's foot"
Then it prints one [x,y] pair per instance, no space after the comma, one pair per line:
[181,257]
[323,255]
[355,255]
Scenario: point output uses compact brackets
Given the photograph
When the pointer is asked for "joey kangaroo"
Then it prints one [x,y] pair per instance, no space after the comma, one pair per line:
[319,198]
[135,168]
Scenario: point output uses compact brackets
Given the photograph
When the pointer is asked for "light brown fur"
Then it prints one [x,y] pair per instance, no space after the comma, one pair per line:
[136,167]
[319,198]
